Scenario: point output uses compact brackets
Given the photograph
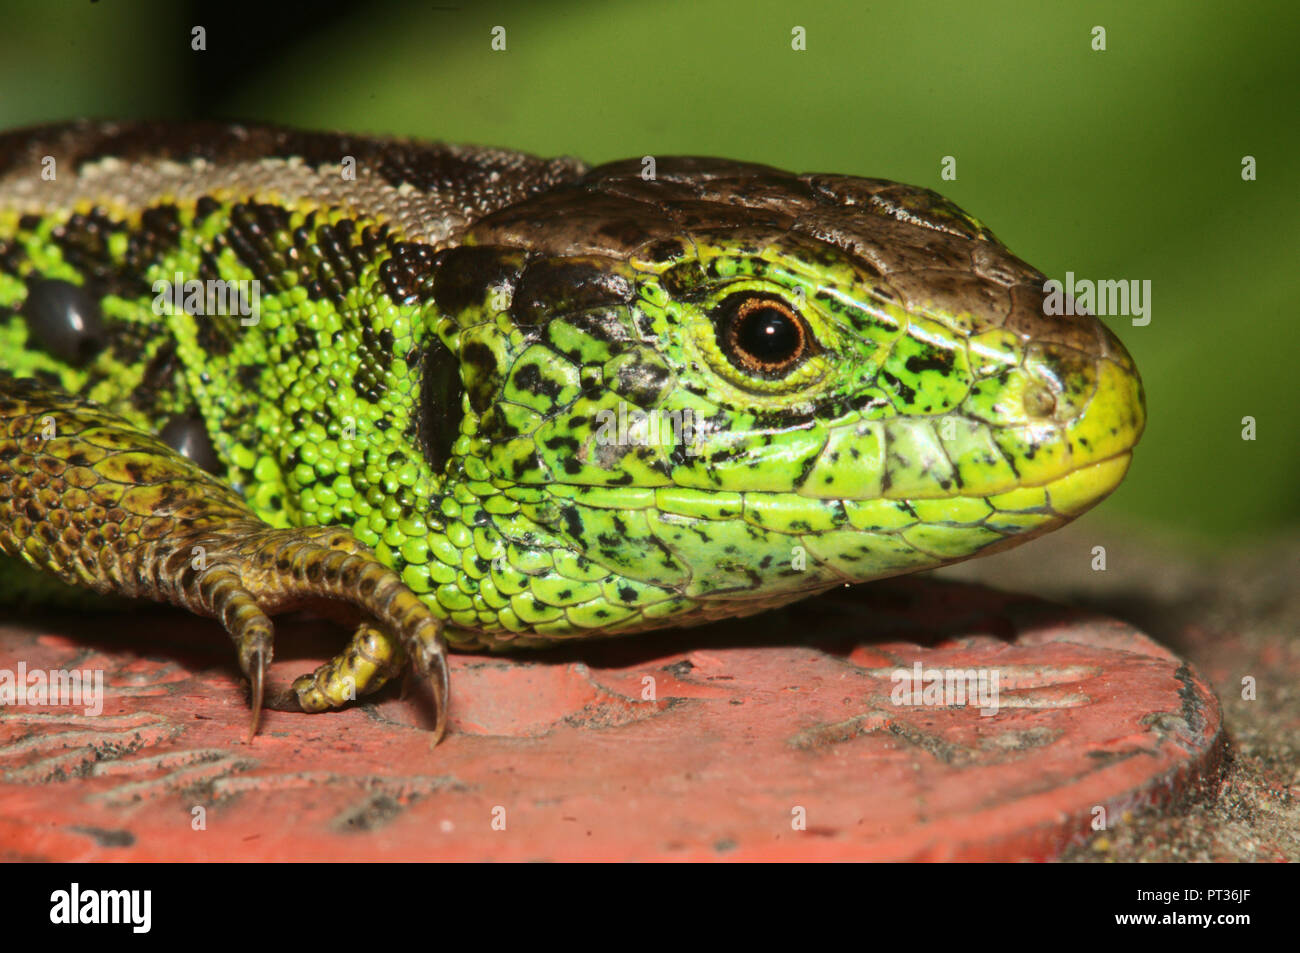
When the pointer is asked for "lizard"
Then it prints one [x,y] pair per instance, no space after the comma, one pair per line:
[486,400]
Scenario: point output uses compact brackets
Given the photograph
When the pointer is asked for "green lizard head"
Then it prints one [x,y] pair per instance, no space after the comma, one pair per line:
[733,386]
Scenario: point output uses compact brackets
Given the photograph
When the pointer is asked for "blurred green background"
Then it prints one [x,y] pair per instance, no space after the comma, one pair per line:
[1122,164]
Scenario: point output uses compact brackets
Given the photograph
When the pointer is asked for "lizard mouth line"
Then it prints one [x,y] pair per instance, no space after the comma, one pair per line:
[1105,474]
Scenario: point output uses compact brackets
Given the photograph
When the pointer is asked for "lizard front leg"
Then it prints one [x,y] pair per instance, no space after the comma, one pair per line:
[87,496]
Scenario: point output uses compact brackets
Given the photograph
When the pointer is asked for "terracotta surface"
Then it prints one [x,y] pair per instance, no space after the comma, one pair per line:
[712,743]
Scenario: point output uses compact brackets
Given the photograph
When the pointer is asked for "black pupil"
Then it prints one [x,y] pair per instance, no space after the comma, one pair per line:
[768,335]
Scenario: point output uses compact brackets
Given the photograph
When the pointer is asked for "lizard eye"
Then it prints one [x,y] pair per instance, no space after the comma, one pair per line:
[762,335]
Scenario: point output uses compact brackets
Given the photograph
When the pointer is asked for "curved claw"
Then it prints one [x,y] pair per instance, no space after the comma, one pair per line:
[434,669]
[257,681]
[441,697]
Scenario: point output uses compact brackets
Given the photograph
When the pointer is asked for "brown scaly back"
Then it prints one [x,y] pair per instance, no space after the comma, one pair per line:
[428,191]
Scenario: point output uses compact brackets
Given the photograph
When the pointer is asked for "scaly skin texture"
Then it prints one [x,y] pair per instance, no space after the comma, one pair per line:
[453,356]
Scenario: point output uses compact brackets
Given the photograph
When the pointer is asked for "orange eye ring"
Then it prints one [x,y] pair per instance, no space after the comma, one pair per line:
[762,335]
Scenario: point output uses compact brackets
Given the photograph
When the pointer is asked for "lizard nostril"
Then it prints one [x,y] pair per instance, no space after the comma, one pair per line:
[1039,401]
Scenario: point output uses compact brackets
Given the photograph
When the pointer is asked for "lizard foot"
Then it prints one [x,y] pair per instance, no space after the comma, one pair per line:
[95,501]
[253,571]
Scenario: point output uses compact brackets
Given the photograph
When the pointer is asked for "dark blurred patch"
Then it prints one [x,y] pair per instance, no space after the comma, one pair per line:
[250,35]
